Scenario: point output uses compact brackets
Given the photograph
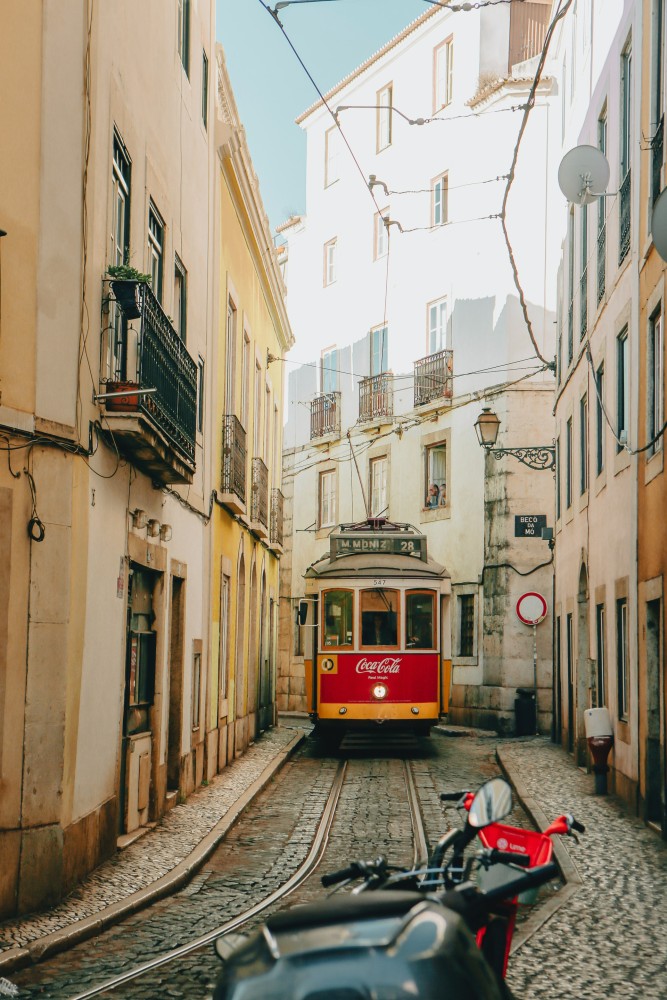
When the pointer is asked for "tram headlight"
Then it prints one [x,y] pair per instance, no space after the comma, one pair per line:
[379,691]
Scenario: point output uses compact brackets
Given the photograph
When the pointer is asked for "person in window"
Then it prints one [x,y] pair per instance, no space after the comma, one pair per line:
[376,630]
[442,495]
[432,496]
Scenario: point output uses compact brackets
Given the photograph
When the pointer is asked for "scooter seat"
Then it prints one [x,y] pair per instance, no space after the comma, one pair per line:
[339,909]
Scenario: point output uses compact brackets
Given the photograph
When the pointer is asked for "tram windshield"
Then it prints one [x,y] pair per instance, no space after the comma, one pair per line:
[379,617]
[419,620]
[338,618]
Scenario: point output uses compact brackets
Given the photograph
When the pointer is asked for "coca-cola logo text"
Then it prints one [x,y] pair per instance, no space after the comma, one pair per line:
[389,665]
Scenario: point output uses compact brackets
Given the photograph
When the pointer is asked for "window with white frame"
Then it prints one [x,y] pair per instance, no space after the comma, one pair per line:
[267,424]
[379,349]
[583,443]
[180,316]
[626,109]
[120,249]
[380,234]
[201,369]
[384,102]
[329,370]
[155,249]
[245,379]
[601,651]
[258,409]
[435,485]
[331,154]
[568,463]
[622,389]
[440,200]
[184,33]
[655,388]
[327,499]
[443,69]
[223,650]
[378,483]
[599,418]
[330,262]
[622,658]
[204,89]
[437,326]
[230,356]
[196,682]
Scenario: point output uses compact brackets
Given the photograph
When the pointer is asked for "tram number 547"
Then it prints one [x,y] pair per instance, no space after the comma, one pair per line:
[379,582]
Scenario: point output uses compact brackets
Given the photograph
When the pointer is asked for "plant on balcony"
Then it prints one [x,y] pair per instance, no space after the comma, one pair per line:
[125,281]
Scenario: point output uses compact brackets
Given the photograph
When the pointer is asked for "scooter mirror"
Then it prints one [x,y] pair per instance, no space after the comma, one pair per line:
[227,944]
[492,802]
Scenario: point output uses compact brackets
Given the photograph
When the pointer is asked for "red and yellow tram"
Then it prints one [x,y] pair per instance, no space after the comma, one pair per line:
[379,654]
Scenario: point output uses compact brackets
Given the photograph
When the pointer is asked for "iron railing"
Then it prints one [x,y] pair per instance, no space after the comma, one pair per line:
[657,153]
[325,415]
[156,359]
[376,397]
[624,218]
[259,504]
[233,457]
[602,262]
[277,505]
[583,303]
[433,377]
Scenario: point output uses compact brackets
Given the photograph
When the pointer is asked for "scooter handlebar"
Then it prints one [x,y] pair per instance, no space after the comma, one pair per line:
[508,857]
[576,825]
[530,879]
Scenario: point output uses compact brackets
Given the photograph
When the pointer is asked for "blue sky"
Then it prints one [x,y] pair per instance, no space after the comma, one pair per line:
[271,89]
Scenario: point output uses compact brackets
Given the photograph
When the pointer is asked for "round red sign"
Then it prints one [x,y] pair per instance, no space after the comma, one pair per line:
[531,608]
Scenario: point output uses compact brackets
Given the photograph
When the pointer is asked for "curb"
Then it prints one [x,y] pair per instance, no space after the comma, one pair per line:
[61,940]
[571,876]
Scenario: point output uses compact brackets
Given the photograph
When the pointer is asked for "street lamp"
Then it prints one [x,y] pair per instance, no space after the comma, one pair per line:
[541,456]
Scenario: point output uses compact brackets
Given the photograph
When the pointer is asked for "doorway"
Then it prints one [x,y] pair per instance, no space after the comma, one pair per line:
[655,771]
[176,650]
[583,667]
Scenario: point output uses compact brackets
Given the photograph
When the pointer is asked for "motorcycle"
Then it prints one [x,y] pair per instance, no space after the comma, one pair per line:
[399,934]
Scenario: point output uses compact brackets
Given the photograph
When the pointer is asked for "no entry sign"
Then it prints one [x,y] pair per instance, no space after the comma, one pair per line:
[531,608]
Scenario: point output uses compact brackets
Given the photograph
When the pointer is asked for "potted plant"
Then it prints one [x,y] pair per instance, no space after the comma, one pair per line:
[125,281]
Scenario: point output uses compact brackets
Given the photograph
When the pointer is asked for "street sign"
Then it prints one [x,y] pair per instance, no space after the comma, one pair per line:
[531,608]
[529,525]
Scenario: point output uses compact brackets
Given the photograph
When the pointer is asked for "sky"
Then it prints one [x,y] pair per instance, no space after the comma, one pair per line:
[271,89]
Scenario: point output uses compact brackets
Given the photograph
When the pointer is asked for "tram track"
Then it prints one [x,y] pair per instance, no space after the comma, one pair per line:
[315,856]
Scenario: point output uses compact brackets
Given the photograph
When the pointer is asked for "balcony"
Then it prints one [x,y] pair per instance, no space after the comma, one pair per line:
[325,416]
[259,501]
[602,260]
[376,398]
[624,219]
[233,478]
[657,155]
[277,505]
[156,432]
[434,378]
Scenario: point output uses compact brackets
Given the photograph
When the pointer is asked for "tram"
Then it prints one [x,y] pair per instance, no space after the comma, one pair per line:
[377,615]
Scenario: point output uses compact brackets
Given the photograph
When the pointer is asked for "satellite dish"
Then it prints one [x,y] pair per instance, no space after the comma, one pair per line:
[583,174]
[659,224]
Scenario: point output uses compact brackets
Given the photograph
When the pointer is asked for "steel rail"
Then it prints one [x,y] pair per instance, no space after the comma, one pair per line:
[420,856]
[301,874]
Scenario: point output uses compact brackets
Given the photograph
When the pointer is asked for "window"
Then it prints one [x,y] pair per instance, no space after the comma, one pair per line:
[626,109]
[223,658]
[568,464]
[655,390]
[184,33]
[437,326]
[435,490]
[327,500]
[120,250]
[379,350]
[384,103]
[602,146]
[180,298]
[378,478]
[329,370]
[583,444]
[258,410]
[419,619]
[338,618]
[379,617]
[570,285]
[155,249]
[622,389]
[201,365]
[245,376]
[230,356]
[599,419]
[204,89]
[657,36]
[583,274]
[467,625]
[330,262]
[443,65]
[267,424]
[331,151]
[558,454]
[380,235]
[599,630]
[196,683]
[440,200]
[622,657]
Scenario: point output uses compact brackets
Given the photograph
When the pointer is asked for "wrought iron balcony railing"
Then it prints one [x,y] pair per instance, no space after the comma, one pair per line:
[233,476]
[277,505]
[657,155]
[376,397]
[583,303]
[259,503]
[602,262]
[141,350]
[624,218]
[434,377]
[325,415]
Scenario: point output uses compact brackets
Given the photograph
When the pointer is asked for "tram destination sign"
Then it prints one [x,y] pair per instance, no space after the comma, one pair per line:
[529,525]
[394,545]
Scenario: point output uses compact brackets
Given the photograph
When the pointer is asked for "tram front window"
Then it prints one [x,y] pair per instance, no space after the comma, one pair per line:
[419,619]
[379,618]
[338,618]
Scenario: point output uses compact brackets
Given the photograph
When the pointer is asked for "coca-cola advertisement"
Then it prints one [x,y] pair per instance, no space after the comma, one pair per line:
[407,676]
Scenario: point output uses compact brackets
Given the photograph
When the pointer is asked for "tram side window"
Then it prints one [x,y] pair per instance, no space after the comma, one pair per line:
[379,617]
[338,618]
[419,620]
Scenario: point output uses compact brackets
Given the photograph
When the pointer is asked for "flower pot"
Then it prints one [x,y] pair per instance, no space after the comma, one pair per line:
[128,297]
[122,403]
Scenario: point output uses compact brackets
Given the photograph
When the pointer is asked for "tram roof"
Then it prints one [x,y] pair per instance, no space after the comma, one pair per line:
[373,564]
